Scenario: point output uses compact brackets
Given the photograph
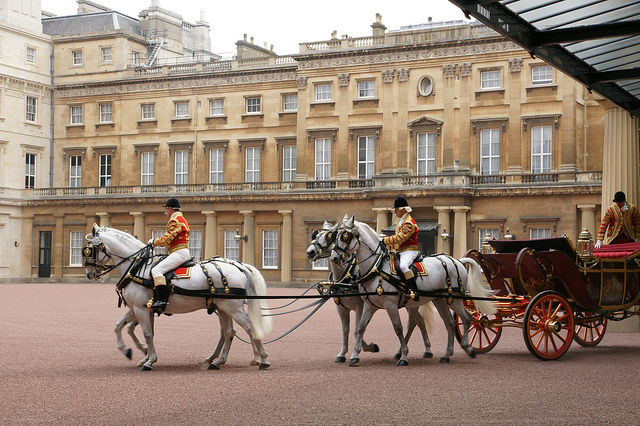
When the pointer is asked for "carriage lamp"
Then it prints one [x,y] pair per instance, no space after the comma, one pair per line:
[585,245]
[486,247]
[508,235]
[444,234]
[237,237]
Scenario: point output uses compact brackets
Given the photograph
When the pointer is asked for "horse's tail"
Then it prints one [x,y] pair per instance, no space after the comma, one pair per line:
[429,315]
[474,283]
[259,314]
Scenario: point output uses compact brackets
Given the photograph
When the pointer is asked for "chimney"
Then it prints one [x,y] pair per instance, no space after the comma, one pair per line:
[430,19]
[378,27]
[334,35]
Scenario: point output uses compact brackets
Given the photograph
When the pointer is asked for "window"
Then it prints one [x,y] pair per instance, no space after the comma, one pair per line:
[31,109]
[147,160]
[76,57]
[323,159]
[76,114]
[195,245]
[365,157]
[541,75]
[252,170]
[30,171]
[105,169]
[106,113]
[75,171]
[157,249]
[148,111]
[489,151]
[231,246]
[106,55]
[426,153]
[321,264]
[75,248]
[182,167]
[289,161]
[253,105]
[425,85]
[31,54]
[540,233]
[216,107]
[182,109]
[493,233]
[490,79]
[216,166]
[270,249]
[290,102]
[323,92]
[135,57]
[541,149]
[367,89]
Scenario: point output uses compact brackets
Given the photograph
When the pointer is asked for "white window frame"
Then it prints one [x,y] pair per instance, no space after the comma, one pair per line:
[77,114]
[216,165]
[290,102]
[105,165]
[75,171]
[31,109]
[106,113]
[31,55]
[366,157]
[323,158]
[323,92]
[542,74]
[75,248]
[490,79]
[366,89]
[148,111]
[252,164]
[182,109]
[541,149]
[216,107]
[253,105]
[535,233]
[30,170]
[157,250]
[147,166]
[107,55]
[426,153]
[231,245]
[181,167]
[321,264]
[270,248]
[76,58]
[489,151]
[135,57]
[494,233]
[289,162]
[195,244]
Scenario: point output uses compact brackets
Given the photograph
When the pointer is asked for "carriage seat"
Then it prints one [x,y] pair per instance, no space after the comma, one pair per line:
[617,251]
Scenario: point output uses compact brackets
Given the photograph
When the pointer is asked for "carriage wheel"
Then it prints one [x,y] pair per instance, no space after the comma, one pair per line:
[482,336]
[548,325]
[590,328]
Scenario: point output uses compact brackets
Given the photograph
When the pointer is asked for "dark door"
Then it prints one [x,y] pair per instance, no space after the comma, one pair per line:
[44,257]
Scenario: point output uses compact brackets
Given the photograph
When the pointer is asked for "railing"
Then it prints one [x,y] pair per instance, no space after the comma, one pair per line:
[215,66]
[488,180]
[540,178]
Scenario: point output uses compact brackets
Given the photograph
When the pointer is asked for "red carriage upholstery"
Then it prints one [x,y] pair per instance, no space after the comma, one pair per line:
[617,251]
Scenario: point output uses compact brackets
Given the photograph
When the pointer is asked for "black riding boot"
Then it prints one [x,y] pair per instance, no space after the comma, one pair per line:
[161,294]
[414,289]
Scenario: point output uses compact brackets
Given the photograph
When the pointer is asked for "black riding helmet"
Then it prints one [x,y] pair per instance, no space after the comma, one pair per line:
[173,203]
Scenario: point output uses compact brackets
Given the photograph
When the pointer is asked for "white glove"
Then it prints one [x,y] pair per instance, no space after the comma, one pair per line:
[598,244]
[151,241]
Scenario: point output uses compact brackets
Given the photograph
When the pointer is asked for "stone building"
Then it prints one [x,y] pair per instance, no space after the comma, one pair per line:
[478,135]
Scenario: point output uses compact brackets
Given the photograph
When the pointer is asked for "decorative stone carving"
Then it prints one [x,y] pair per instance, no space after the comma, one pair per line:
[465,69]
[387,75]
[449,70]
[403,74]
[302,82]
[344,79]
[515,64]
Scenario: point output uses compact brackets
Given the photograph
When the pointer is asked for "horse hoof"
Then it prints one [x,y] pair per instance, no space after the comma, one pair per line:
[127,353]
[264,366]
[353,362]
[427,355]
[397,356]
[340,359]
[213,367]
[254,362]
[402,363]
[375,348]
[444,360]
[145,368]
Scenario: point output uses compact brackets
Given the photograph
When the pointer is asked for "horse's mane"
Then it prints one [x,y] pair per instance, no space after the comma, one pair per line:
[368,230]
[124,236]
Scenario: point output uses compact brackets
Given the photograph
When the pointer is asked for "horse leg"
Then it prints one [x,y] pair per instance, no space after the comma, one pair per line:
[128,317]
[227,333]
[344,315]
[145,317]
[466,317]
[445,314]
[131,332]
[240,317]
[367,314]
[367,347]
[416,319]
[394,316]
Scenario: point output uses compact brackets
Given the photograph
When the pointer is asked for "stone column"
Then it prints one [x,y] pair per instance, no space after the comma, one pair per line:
[287,239]
[30,247]
[460,228]
[105,218]
[57,252]
[443,220]
[210,234]
[588,219]
[249,247]
[91,219]
[620,155]
[138,225]
[382,218]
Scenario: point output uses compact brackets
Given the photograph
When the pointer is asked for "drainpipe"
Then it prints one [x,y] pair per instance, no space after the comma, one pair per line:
[51,123]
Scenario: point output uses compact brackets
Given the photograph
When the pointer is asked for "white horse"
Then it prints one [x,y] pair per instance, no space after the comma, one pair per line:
[344,274]
[124,250]
[357,237]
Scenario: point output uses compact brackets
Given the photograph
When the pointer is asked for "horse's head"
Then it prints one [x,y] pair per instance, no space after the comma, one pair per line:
[346,240]
[102,245]
[322,241]
[94,254]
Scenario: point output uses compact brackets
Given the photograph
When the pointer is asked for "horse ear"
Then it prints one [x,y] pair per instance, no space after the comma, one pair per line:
[326,225]
[345,218]
[94,229]
[349,222]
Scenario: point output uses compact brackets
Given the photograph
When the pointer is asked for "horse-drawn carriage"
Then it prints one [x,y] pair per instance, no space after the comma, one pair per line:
[555,293]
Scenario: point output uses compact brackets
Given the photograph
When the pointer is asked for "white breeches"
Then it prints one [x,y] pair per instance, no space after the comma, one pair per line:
[172,261]
[407,258]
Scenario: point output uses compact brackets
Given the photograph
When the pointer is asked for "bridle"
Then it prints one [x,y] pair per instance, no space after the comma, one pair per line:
[99,267]
[347,237]
[330,238]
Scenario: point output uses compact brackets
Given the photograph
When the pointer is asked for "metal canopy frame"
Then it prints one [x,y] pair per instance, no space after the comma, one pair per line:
[597,42]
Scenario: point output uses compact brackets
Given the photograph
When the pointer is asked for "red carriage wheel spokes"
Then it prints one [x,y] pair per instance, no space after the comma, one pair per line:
[590,328]
[548,325]
[482,335]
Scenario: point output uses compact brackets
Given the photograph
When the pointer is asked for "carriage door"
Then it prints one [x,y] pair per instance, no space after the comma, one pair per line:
[44,256]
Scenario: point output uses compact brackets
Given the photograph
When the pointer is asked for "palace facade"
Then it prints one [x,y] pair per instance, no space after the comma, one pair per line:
[104,116]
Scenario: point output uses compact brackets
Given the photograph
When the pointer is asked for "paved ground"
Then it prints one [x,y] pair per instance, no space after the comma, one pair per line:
[60,365]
